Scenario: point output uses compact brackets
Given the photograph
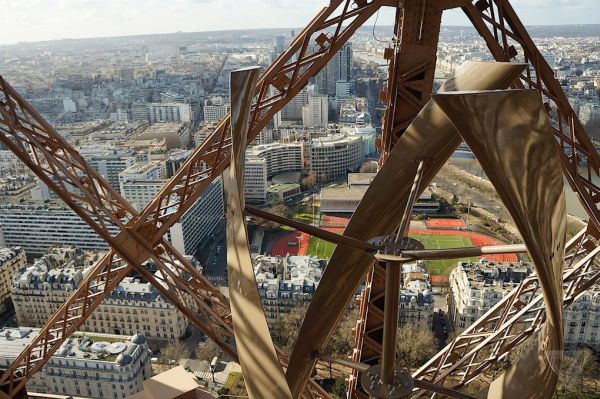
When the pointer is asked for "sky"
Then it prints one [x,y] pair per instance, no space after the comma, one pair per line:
[39,20]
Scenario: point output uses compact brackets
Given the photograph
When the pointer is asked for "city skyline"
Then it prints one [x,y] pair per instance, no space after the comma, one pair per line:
[34,20]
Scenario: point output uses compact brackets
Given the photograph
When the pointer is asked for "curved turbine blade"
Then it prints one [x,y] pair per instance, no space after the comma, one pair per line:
[262,370]
[430,136]
[509,133]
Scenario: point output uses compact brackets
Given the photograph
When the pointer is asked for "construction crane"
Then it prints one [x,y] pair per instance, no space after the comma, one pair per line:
[412,60]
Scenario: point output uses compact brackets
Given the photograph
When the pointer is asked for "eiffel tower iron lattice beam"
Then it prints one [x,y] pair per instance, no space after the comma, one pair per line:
[140,238]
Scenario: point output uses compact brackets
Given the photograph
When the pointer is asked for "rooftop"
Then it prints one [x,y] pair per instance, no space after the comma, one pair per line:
[484,273]
[163,127]
[360,179]
[343,193]
[9,253]
[257,150]
[277,188]
[98,347]
[334,139]
[141,167]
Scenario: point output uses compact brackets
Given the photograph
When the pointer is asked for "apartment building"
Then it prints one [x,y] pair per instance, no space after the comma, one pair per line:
[475,287]
[333,156]
[285,283]
[416,299]
[140,183]
[582,320]
[36,227]
[215,109]
[256,182]
[108,162]
[176,134]
[316,112]
[199,220]
[265,161]
[170,112]
[11,261]
[133,306]
[93,366]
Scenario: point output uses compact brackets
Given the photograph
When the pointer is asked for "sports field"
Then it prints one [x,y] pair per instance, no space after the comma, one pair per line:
[320,248]
[444,266]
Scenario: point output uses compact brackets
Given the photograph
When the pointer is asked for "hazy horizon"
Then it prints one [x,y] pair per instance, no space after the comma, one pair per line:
[47,20]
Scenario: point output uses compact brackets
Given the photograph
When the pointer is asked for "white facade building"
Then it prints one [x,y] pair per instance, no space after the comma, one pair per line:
[37,227]
[292,111]
[332,157]
[215,109]
[265,161]
[69,105]
[256,182]
[139,192]
[416,299]
[170,112]
[140,183]
[109,162]
[199,220]
[285,283]
[476,287]
[582,320]
[39,290]
[11,261]
[99,366]
[316,112]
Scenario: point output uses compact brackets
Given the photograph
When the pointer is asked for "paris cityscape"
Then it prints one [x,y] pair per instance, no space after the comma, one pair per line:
[137,109]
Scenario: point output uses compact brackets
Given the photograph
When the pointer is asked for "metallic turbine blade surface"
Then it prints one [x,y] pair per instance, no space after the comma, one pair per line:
[263,374]
[509,133]
[430,136]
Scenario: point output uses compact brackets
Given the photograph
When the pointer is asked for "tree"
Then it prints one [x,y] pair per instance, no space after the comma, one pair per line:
[288,327]
[368,167]
[207,350]
[414,346]
[172,353]
[339,388]
[281,209]
[234,386]
[309,181]
[341,343]
[578,366]
[277,208]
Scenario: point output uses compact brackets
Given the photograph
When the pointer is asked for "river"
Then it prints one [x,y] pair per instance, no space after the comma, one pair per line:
[574,207]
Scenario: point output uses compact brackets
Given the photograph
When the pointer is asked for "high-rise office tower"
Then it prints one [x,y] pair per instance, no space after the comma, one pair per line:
[338,69]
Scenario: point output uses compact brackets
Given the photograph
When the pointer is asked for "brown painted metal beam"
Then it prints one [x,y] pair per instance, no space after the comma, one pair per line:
[338,239]
[262,370]
[182,190]
[510,135]
[393,279]
[451,253]
[574,143]
[431,137]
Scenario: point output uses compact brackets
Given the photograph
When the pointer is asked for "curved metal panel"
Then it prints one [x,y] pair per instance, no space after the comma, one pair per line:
[430,136]
[263,374]
[509,133]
